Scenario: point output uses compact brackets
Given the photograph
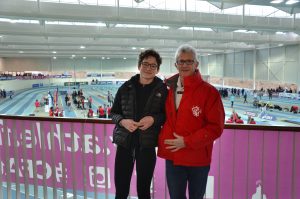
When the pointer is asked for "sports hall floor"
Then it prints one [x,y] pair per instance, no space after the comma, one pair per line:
[22,103]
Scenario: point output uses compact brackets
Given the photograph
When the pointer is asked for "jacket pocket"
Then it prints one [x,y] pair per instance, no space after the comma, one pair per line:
[148,139]
[121,137]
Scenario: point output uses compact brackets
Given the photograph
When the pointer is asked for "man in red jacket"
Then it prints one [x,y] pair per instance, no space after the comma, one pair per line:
[194,119]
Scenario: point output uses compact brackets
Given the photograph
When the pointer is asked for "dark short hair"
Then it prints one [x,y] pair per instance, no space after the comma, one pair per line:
[149,53]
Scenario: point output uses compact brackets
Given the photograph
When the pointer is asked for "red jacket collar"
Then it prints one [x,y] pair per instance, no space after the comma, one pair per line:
[189,82]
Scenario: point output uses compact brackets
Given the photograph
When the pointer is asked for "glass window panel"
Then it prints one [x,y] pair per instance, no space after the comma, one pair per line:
[126,3]
[191,5]
[69,1]
[174,5]
[158,4]
[203,6]
[88,2]
[234,11]
[143,4]
[106,3]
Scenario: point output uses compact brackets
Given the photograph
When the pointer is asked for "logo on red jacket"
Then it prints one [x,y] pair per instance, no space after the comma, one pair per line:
[196,111]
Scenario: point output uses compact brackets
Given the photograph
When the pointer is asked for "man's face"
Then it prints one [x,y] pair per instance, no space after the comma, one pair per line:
[186,64]
[148,68]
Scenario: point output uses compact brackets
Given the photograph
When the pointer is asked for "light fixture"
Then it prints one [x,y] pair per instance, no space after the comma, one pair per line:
[280,33]
[124,58]
[280,44]
[54,52]
[103,57]
[142,48]
[133,48]
[83,57]
[54,57]
[73,55]
[21,51]
[82,47]
[276,1]
[290,2]
[107,58]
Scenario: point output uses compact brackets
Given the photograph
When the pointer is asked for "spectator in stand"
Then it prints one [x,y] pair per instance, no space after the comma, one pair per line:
[230,120]
[90,113]
[61,113]
[245,97]
[66,99]
[69,103]
[252,121]
[37,105]
[232,98]
[56,112]
[101,112]
[90,101]
[51,112]
[270,92]
[108,111]
[294,109]
[239,120]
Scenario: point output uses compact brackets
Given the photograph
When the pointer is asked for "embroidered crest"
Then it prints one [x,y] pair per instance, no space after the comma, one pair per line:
[196,111]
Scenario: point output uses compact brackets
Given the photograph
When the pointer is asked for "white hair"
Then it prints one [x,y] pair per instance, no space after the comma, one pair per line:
[186,48]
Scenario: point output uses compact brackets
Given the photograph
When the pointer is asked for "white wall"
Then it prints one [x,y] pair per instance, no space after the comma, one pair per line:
[280,64]
[274,64]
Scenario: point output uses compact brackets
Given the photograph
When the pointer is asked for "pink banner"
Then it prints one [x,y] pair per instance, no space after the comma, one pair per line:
[245,164]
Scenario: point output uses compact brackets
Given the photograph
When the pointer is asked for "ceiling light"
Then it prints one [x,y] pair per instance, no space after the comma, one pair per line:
[280,44]
[133,48]
[1,36]
[290,2]
[82,47]
[240,30]
[73,55]
[280,33]
[83,57]
[21,51]
[124,58]
[142,48]
[103,57]
[54,52]
[54,57]
[276,1]
[107,58]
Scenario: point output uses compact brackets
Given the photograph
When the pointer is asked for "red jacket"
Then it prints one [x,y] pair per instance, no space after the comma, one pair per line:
[199,119]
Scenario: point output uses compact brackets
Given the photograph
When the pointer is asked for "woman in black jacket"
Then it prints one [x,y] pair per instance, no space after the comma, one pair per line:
[138,112]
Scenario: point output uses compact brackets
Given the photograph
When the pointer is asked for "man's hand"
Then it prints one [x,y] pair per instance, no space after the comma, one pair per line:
[129,124]
[145,122]
[175,144]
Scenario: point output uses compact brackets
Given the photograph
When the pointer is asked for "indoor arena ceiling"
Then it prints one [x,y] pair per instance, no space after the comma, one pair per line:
[37,28]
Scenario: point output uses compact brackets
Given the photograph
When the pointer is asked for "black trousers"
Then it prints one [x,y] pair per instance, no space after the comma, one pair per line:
[124,163]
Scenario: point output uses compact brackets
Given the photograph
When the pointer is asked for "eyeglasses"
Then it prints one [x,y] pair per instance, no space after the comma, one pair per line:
[148,65]
[187,62]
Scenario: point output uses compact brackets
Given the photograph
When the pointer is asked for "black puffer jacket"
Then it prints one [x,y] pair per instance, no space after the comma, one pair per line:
[124,107]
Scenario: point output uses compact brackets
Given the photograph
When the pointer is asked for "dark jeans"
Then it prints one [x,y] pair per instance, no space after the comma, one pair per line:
[124,163]
[178,177]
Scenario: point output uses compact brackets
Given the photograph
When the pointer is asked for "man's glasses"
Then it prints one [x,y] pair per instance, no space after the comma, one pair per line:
[186,62]
[151,66]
